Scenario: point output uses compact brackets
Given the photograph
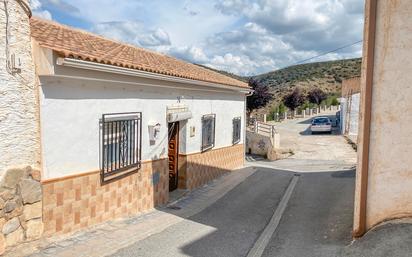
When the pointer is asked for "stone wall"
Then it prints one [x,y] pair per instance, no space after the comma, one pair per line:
[20,189]
[19,129]
[21,207]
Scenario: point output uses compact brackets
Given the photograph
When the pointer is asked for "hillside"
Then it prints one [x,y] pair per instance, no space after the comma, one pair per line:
[327,76]
[241,78]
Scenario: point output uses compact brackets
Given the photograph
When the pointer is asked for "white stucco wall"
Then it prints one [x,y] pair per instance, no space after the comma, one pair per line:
[71,110]
[389,184]
[352,117]
[343,110]
[19,144]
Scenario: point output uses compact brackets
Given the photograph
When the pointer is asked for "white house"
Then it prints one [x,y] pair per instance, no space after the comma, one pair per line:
[119,127]
[122,126]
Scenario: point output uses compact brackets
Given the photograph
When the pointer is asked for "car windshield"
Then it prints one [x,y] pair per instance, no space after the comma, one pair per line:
[320,120]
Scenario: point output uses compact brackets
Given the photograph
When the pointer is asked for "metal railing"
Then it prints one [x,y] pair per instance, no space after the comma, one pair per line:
[265,129]
[121,145]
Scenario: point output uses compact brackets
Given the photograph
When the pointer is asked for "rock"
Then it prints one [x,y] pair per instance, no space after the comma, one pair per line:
[30,191]
[34,229]
[10,206]
[35,174]
[13,208]
[2,244]
[272,155]
[23,222]
[32,211]
[15,213]
[2,222]
[13,176]
[11,226]
[14,238]
[7,194]
[2,204]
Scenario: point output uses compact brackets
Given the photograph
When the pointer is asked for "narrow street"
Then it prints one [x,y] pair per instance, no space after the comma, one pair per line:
[317,220]
[260,210]
[300,206]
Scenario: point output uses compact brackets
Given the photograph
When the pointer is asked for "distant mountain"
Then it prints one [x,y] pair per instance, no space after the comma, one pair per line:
[327,76]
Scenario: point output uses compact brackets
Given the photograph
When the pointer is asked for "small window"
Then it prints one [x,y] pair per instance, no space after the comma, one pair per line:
[121,145]
[208,131]
[237,125]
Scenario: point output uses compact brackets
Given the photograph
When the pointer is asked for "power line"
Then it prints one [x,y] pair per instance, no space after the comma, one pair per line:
[325,53]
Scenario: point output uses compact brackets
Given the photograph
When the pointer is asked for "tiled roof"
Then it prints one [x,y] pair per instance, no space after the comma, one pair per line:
[78,44]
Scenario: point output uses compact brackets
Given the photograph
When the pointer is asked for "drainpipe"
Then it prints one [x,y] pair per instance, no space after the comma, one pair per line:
[366,109]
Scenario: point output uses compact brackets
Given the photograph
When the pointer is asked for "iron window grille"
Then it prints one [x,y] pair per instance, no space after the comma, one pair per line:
[208,131]
[121,147]
[237,125]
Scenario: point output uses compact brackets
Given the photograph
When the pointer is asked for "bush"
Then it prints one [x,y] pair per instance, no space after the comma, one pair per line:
[281,108]
[260,97]
[294,99]
[316,96]
[335,101]
[331,100]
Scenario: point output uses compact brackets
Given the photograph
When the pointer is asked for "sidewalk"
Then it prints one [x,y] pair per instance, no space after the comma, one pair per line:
[391,239]
[107,238]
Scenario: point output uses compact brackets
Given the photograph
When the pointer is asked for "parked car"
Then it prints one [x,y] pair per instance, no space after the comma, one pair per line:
[321,124]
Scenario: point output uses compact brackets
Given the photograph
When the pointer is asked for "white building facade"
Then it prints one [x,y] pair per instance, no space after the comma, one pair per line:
[117,138]
[93,130]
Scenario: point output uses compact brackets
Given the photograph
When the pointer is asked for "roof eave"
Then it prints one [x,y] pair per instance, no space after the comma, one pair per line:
[88,65]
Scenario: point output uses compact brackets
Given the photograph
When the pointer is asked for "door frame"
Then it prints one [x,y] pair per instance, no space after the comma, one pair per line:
[176,130]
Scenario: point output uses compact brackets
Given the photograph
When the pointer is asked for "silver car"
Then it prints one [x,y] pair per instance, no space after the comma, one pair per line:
[321,124]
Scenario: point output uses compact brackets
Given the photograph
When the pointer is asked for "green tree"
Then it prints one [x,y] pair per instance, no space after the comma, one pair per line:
[316,96]
[294,99]
[281,108]
[335,101]
[261,96]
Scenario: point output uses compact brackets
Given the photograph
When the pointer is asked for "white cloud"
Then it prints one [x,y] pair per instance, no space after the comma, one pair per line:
[133,32]
[241,36]
[61,5]
[36,7]
[193,54]
[233,63]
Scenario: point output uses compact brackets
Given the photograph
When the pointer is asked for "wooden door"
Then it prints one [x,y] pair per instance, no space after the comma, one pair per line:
[173,155]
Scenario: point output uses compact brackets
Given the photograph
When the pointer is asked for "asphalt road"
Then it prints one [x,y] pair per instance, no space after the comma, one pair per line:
[229,227]
[317,221]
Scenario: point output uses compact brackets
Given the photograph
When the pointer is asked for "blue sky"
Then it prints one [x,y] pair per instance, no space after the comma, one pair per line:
[245,37]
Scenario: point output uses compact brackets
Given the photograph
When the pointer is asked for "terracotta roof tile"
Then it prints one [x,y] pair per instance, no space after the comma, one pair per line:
[78,44]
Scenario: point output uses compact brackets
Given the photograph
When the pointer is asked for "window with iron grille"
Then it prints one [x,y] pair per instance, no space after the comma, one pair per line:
[121,145]
[237,125]
[208,131]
